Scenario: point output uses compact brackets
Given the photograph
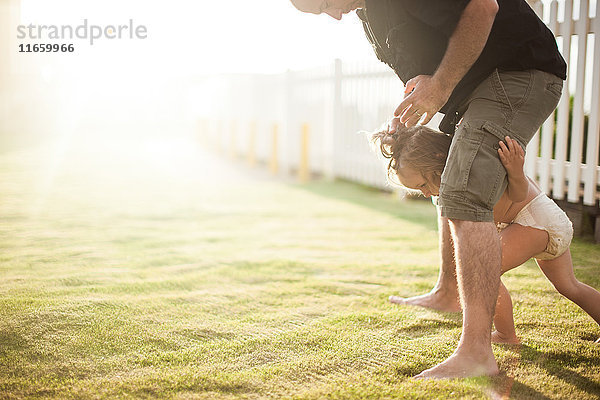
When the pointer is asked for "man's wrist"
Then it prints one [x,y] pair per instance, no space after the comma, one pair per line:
[445,83]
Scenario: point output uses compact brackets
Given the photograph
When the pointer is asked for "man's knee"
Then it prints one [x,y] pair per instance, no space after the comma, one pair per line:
[476,233]
[461,225]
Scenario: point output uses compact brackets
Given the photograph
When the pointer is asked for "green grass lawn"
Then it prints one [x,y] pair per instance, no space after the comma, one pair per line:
[190,278]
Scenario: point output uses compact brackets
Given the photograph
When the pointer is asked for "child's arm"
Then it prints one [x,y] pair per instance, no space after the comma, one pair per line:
[512,157]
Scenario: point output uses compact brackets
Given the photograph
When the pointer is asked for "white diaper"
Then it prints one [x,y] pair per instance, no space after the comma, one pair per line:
[543,213]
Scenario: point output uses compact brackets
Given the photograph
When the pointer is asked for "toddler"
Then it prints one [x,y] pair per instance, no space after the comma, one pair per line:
[529,223]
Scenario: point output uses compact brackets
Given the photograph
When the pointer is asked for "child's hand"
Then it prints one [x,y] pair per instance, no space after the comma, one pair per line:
[512,157]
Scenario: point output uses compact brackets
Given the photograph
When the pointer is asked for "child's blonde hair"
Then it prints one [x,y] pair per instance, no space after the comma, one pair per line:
[418,147]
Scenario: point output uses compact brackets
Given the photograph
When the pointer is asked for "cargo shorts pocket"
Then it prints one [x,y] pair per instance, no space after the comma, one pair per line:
[474,175]
[512,87]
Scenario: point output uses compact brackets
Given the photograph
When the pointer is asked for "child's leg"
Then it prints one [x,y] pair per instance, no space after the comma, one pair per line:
[503,319]
[560,272]
[519,244]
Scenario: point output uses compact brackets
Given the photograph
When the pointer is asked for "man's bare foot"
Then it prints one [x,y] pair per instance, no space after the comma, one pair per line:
[462,366]
[436,300]
[498,337]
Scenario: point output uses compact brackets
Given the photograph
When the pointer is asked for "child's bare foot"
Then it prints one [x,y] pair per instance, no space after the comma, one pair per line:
[436,300]
[498,337]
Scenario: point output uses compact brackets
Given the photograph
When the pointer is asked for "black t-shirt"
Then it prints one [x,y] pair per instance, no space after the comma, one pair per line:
[411,36]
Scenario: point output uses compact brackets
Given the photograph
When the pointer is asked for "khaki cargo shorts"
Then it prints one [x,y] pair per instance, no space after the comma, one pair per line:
[507,103]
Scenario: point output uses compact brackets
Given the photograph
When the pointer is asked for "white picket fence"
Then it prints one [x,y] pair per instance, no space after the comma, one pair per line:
[341,101]
[577,35]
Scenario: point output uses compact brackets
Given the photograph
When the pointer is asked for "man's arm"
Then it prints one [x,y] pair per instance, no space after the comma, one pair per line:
[431,92]
[512,157]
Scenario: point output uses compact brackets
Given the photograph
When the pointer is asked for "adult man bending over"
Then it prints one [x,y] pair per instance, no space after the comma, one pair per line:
[495,67]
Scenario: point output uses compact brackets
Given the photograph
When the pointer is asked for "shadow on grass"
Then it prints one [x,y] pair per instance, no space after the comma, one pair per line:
[521,391]
[505,387]
[416,210]
[425,326]
[554,363]
[11,341]
[557,363]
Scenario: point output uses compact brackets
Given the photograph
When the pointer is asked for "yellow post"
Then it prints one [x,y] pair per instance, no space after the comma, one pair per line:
[252,145]
[303,169]
[274,162]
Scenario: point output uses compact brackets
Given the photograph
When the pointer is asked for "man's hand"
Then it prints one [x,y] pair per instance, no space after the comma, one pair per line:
[428,94]
[512,157]
[424,97]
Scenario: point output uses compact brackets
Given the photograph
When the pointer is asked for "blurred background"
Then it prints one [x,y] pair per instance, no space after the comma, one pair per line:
[258,82]
[162,84]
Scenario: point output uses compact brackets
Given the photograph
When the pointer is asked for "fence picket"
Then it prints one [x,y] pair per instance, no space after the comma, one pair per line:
[340,101]
[531,155]
[553,19]
[562,128]
[547,131]
[546,152]
[533,148]
[590,193]
[577,126]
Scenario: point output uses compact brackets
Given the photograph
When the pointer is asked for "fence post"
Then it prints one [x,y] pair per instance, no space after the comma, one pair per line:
[562,126]
[303,168]
[593,143]
[533,148]
[577,125]
[289,122]
[549,127]
[537,6]
[336,128]
[531,155]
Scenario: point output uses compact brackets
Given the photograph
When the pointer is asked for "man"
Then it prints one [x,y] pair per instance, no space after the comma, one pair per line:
[495,68]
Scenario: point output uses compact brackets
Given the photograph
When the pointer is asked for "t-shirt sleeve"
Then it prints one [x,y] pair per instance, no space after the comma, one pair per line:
[442,15]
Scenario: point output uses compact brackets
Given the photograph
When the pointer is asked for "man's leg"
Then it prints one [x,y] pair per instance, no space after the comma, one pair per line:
[507,103]
[444,295]
[478,257]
